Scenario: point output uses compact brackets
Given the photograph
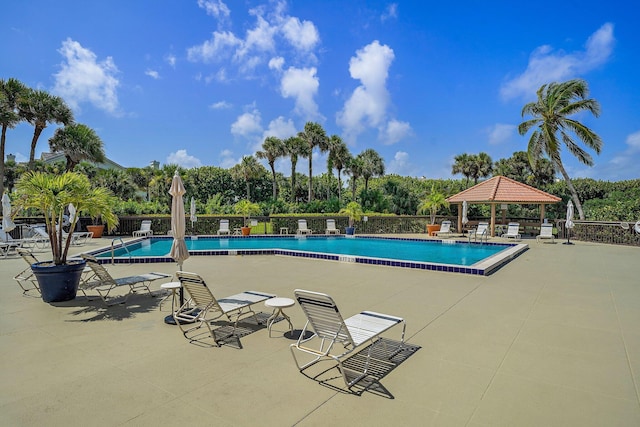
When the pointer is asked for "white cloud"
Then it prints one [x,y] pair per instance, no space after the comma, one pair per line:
[395,131]
[215,8]
[259,38]
[401,165]
[227,160]
[280,128]
[546,65]
[83,79]
[217,48]
[153,74]
[500,133]
[276,63]
[302,85]
[391,12]
[182,159]
[171,59]
[367,106]
[220,105]
[247,125]
[628,156]
[301,35]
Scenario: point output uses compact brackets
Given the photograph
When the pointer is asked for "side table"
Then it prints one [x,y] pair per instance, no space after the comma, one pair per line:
[278,304]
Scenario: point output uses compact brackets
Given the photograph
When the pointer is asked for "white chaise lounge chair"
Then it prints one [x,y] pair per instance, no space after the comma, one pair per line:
[202,307]
[513,231]
[224,227]
[445,229]
[302,227]
[26,278]
[339,338]
[331,227]
[482,231]
[145,229]
[546,232]
[8,243]
[103,283]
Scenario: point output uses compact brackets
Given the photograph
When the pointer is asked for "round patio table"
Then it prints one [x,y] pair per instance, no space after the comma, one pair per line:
[279,304]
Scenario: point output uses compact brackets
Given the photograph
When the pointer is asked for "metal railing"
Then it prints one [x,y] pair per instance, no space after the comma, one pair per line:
[612,232]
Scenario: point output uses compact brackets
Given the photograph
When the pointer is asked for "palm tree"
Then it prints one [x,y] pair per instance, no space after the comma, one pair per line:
[482,166]
[463,164]
[314,136]
[555,102]
[247,170]
[41,108]
[372,165]
[78,142]
[354,168]
[339,156]
[294,147]
[272,149]
[10,91]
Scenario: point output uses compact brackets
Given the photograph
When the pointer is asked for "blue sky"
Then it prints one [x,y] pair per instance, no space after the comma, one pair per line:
[203,82]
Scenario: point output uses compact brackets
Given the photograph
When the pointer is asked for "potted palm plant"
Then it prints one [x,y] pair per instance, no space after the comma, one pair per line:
[433,202]
[354,211]
[246,208]
[51,194]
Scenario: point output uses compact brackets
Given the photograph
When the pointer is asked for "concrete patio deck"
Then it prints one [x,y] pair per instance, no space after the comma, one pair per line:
[552,338]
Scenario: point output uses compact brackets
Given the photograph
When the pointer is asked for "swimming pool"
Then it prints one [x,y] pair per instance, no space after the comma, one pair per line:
[438,255]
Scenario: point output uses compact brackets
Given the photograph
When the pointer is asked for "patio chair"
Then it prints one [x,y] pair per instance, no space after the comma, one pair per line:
[202,308]
[340,338]
[445,229]
[546,232]
[224,227]
[103,283]
[513,232]
[482,230]
[145,229]
[302,227]
[26,279]
[39,236]
[331,227]
[8,243]
[78,238]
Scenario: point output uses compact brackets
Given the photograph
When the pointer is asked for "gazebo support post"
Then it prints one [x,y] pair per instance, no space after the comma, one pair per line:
[542,213]
[493,219]
[460,218]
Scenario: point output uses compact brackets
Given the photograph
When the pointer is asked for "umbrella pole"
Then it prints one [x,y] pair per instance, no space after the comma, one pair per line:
[568,242]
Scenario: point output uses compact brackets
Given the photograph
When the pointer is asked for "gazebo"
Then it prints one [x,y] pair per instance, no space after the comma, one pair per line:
[502,191]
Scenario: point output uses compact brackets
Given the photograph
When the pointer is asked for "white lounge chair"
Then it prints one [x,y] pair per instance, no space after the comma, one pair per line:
[302,227]
[145,229]
[39,236]
[513,232]
[202,308]
[546,232]
[26,279]
[482,231]
[103,283]
[445,229]
[224,227]
[339,338]
[331,227]
[8,243]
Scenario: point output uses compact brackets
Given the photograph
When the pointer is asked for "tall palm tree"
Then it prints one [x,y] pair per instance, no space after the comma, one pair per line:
[463,164]
[295,147]
[339,155]
[354,168]
[41,108]
[248,169]
[482,166]
[314,136]
[372,165]
[10,91]
[272,149]
[78,142]
[555,102]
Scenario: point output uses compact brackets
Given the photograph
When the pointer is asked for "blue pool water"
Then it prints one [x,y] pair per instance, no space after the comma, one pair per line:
[438,252]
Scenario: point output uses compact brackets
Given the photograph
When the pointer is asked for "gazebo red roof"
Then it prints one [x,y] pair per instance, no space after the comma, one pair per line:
[501,189]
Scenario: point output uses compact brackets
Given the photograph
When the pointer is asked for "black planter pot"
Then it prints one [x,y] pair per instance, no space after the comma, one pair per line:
[350,230]
[58,282]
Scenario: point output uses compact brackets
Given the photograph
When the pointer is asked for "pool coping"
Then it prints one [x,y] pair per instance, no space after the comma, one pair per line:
[484,267]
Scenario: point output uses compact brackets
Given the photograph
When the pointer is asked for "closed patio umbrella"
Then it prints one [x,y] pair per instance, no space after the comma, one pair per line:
[179,250]
[72,214]
[194,218]
[7,223]
[569,222]
[465,220]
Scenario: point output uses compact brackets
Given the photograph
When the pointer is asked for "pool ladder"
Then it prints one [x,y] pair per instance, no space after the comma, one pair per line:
[121,245]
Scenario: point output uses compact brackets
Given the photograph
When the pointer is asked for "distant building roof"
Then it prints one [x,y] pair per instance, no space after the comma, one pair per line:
[501,189]
[50,158]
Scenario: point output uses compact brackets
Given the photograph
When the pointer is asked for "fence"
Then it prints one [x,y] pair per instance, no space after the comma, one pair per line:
[617,233]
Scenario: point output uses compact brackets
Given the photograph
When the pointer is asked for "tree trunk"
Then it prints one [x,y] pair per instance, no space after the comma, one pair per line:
[572,189]
[275,186]
[34,142]
[3,138]
[293,181]
[310,176]
[339,188]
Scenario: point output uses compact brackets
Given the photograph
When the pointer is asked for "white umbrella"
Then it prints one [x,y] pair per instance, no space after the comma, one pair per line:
[179,250]
[7,223]
[194,218]
[465,220]
[72,213]
[569,223]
